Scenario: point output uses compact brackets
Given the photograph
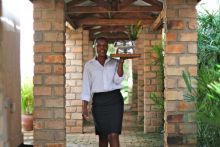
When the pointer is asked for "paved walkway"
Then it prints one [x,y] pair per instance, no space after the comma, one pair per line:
[128,139]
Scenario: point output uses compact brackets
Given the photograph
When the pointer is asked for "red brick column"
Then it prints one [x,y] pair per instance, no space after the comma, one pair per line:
[180,55]
[135,64]
[140,73]
[74,49]
[88,51]
[49,73]
[152,116]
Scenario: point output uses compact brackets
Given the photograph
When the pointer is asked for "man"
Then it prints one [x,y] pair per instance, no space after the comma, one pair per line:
[102,77]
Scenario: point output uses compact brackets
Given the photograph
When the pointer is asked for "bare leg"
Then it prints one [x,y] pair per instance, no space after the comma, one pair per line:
[103,141]
[113,139]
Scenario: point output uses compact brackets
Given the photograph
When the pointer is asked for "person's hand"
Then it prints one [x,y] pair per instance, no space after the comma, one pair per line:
[121,60]
[85,114]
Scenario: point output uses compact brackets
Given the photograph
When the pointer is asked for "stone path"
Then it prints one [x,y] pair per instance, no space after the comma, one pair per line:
[128,139]
[132,135]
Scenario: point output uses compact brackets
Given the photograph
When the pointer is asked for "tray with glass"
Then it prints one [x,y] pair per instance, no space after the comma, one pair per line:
[125,49]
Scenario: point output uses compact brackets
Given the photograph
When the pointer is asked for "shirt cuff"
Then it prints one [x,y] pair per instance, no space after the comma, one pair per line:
[85,98]
[118,79]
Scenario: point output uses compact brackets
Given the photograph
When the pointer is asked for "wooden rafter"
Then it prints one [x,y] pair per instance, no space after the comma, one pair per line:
[154,3]
[158,22]
[109,29]
[110,36]
[94,9]
[141,9]
[125,3]
[110,17]
[83,9]
[74,25]
[102,3]
[115,5]
[75,2]
[113,22]
[144,15]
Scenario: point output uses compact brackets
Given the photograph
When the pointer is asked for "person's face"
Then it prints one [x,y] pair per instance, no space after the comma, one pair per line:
[102,48]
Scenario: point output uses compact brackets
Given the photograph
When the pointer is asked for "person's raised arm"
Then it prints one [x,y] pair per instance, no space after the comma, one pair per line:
[120,67]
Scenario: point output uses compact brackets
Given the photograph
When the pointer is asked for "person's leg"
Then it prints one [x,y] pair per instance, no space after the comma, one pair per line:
[113,139]
[103,141]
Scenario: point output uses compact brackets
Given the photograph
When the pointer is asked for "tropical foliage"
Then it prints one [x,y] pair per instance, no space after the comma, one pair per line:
[27,98]
[134,30]
[207,94]
[159,61]
[159,100]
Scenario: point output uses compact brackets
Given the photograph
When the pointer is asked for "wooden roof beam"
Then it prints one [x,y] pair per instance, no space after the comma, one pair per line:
[108,30]
[74,25]
[95,9]
[75,2]
[158,22]
[126,3]
[113,22]
[115,5]
[141,9]
[154,3]
[102,3]
[110,36]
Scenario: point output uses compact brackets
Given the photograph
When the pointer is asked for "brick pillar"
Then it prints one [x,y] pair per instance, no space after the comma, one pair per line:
[140,77]
[152,116]
[88,51]
[74,48]
[135,64]
[49,73]
[180,55]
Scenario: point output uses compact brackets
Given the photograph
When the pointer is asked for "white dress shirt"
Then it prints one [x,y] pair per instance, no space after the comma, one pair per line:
[98,78]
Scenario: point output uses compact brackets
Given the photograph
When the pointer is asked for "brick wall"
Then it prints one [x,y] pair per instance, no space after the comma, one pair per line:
[140,73]
[152,116]
[49,73]
[180,54]
[88,51]
[134,98]
[75,41]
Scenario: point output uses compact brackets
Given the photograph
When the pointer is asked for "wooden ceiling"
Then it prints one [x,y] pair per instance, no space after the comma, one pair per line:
[110,18]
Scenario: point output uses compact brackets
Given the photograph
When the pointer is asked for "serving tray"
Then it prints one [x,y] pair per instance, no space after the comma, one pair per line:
[127,56]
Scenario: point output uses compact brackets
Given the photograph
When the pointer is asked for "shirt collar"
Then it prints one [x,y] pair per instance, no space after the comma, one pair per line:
[107,60]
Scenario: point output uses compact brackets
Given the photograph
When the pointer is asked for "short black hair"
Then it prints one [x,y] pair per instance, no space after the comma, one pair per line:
[100,38]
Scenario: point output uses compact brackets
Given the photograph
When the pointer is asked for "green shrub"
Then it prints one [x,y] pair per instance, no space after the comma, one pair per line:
[207,94]
[27,98]
[159,99]
[207,100]
[209,39]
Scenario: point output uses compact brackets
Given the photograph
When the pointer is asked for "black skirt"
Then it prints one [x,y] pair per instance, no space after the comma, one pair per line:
[107,111]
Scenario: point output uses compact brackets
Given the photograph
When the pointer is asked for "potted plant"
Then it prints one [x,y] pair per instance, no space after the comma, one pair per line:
[27,105]
[134,30]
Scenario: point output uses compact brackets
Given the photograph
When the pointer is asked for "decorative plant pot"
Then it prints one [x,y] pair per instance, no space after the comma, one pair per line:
[27,122]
